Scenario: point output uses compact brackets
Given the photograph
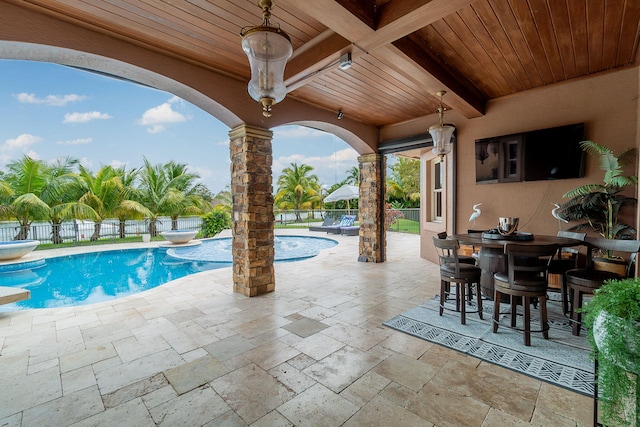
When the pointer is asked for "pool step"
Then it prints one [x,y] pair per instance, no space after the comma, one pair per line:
[9,294]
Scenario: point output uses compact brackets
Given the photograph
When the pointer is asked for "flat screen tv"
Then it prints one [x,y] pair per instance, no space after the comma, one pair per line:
[544,154]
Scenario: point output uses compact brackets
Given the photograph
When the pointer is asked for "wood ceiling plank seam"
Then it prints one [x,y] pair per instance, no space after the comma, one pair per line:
[332,90]
[458,56]
[393,82]
[422,13]
[595,32]
[612,30]
[507,52]
[96,17]
[147,32]
[371,93]
[628,51]
[509,22]
[417,64]
[160,15]
[526,22]
[374,116]
[411,85]
[494,54]
[562,28]
[544,27]
[487,52]
[580,34]
[236,17]
[310,60]
[334,16]
[374,95]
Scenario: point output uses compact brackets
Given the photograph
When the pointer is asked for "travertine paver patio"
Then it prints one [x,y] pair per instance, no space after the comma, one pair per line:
[314,353]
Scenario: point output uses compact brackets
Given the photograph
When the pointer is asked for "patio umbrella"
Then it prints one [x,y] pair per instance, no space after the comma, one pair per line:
[346,192]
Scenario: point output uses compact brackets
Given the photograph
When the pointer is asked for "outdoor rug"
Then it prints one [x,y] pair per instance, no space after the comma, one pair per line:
[563,359]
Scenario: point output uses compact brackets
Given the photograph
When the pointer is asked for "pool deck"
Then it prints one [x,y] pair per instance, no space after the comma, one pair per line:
[312,353]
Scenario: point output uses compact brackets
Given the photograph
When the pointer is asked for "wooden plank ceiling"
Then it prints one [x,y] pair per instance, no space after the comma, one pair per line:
[403,51]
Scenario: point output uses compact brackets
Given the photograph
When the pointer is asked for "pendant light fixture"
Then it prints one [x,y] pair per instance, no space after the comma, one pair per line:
[441,133]
[268,49]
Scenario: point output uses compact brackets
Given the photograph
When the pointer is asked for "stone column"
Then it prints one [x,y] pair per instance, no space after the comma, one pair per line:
[373,233]
[253,220]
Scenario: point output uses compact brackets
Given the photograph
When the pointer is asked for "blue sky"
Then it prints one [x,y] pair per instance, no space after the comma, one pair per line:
[50,111]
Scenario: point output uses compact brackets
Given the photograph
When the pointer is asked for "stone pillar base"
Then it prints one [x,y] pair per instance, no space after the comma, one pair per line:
[253,221]
[373,237]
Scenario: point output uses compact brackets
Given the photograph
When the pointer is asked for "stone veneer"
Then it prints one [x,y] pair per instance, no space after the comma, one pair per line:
[253,220]
[373,238]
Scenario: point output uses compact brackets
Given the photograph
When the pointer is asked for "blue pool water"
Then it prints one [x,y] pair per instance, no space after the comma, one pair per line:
[99,276]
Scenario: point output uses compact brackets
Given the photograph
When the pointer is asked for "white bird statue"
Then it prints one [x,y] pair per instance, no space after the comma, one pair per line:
[556,215]
[475,214]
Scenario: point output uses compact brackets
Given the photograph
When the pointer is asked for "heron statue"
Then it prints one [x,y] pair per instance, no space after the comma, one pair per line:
[557,216]
[476,213]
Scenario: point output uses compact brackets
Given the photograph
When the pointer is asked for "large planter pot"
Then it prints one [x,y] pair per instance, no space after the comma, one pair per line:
[627,358]
[15,249]
[618,266]
[621,404]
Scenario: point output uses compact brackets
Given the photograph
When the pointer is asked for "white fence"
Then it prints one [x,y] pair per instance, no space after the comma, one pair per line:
[79,230]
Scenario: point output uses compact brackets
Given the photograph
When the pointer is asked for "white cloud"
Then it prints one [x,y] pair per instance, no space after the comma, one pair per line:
[86,162]
[21,142]
[32,154]
[297,132]
[157,117]
[156,129]
[325,167]
[203,171]
[53,100]
[77,141]
[117,164]
[85,117]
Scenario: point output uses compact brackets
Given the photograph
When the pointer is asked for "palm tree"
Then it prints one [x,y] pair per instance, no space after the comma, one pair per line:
[403,183]
[223,200]
[170,190]
[63,197]
[297,189]
[129,207]
[108,196]
[27,178]
[598,205]
[353,176]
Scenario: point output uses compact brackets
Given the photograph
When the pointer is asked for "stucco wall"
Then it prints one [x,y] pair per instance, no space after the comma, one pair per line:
[607,104]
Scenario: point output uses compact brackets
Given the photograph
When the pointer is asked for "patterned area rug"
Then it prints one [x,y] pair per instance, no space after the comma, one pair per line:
[563,359]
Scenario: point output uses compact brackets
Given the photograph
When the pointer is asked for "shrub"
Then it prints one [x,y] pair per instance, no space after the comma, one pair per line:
[215,222]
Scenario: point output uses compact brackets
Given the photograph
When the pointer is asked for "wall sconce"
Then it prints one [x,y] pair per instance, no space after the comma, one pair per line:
[268,49]
[441,133]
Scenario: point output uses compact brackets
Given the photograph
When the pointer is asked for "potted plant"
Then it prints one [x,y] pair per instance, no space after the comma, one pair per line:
[612,318]
[597,207]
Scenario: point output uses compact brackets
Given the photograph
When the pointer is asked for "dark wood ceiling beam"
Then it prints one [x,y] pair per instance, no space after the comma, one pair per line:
[432,78]
[397,19]
[314,56]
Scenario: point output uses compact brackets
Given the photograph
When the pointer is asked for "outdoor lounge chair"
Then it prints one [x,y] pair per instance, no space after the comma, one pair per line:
[345,221]
[353,230]
[328,222]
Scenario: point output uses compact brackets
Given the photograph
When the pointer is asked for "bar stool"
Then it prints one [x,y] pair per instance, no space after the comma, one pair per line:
[584,281]
[566,259]
[462,274]
[524,281]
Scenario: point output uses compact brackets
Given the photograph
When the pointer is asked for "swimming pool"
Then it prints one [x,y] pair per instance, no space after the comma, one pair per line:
[100,276]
